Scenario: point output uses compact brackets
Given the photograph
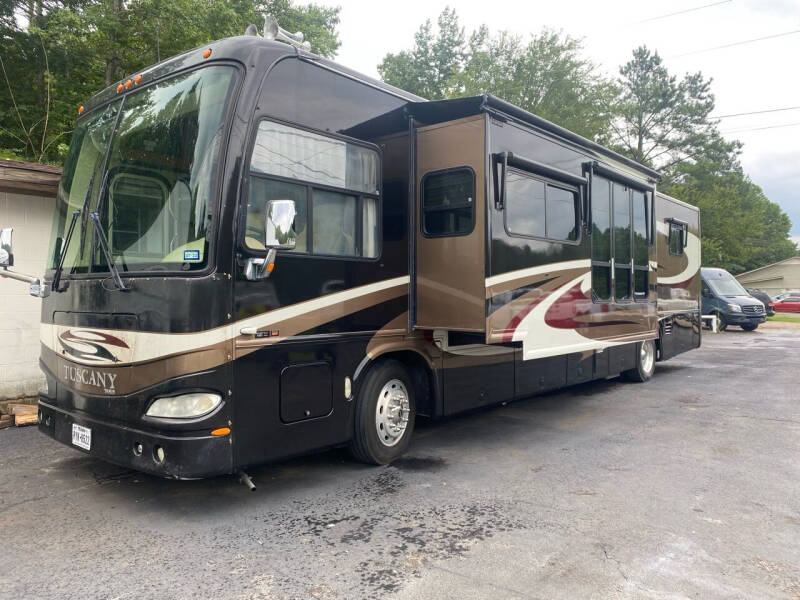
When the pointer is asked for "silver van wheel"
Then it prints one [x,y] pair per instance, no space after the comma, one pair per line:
[392,412]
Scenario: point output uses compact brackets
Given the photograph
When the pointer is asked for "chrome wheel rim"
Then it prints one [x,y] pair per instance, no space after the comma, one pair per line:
[391,412]
[647,356]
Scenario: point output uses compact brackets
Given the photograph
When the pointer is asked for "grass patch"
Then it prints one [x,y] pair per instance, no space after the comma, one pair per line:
[784,318]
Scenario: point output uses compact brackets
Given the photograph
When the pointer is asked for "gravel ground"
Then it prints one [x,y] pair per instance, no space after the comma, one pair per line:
[685,487]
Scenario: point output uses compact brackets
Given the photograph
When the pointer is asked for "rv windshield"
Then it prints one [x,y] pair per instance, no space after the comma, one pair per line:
[146,164]
[727,286]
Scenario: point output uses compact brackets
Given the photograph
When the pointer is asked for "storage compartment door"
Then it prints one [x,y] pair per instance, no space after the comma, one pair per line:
[451,226]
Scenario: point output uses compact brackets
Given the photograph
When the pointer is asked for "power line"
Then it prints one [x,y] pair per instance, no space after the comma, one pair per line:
[756,112]
[768,37]
[762,128]
[680,12]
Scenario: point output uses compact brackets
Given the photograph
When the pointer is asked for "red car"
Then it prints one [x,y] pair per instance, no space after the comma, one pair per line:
[787,304]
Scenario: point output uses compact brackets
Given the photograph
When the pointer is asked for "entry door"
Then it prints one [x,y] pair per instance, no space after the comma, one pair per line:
[451,226]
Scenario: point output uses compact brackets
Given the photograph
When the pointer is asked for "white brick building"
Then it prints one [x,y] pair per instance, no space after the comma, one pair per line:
[27,201]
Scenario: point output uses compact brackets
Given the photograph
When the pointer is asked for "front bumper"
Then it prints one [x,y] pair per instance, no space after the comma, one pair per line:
[743,319]
[186,456]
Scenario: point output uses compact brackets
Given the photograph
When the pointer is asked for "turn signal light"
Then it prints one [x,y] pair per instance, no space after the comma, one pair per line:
[221,431]
[206,52]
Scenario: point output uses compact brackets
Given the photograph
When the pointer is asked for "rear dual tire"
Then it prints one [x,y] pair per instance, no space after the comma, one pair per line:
[385,408]
[645,362]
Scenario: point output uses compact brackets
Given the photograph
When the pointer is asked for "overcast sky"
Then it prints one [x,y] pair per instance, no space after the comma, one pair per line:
[750,77]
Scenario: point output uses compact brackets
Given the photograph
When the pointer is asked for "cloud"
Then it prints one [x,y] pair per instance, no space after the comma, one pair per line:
[779,176]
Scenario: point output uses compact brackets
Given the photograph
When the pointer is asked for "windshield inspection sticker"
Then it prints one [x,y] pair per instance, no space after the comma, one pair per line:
[191,255]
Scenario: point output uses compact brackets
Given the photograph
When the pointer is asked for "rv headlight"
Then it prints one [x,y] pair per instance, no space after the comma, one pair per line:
[185,406]
[734,308]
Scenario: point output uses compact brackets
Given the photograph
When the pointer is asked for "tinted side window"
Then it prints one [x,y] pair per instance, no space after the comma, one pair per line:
[333,183]
[641,263]
[334,226]
[676,233]
[622,241]
[448,206]
[537,208]
[525,204]
[601,238]
[562,216]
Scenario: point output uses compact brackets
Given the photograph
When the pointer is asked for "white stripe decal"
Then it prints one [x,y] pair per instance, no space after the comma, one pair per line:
[295,310]
[145,346]
[692,254]
[583,263]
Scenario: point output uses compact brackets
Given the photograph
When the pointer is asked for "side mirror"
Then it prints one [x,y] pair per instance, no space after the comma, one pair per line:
[6,254]
[279,234]
[279,231]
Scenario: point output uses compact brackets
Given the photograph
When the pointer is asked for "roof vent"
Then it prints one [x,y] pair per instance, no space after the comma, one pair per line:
[273,31]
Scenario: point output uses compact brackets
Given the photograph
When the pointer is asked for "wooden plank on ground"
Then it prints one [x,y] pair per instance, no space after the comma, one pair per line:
[23,409]
[20,420]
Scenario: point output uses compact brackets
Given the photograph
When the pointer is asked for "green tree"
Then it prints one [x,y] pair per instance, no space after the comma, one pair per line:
[71,49]
[663,122]
[741,228]
[430,68]
[546,75]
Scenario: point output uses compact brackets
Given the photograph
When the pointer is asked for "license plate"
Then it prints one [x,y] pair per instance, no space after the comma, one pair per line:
[81,436]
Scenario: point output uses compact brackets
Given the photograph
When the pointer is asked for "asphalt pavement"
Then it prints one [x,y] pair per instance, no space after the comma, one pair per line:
[687,486]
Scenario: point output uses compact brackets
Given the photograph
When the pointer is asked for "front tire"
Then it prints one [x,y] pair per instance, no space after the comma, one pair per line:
[645,362]
[384,414]
[750,326]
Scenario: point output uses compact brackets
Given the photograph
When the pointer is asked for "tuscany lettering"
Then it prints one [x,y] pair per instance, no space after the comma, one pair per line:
[90,377]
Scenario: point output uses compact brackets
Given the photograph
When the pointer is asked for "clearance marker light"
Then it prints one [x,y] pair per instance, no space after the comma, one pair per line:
[206,52]
[221,431]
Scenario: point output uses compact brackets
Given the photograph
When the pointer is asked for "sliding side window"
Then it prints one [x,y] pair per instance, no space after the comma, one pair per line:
[621,218]
[601,238]
[448,206]
[334,185]
[536,207]
[622,241]
[641,243]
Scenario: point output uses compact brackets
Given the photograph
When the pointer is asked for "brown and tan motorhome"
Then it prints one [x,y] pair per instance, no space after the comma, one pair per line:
[258,253]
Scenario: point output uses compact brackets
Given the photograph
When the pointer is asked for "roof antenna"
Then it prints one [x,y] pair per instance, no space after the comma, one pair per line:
[273,31]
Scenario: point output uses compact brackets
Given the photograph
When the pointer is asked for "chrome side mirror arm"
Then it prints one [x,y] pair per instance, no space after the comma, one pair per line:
[37,289]
[256,269]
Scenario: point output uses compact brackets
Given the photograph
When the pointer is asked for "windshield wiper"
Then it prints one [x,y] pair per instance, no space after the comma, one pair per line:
[101,198]
[64,247]
[85,208]
[101,235]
